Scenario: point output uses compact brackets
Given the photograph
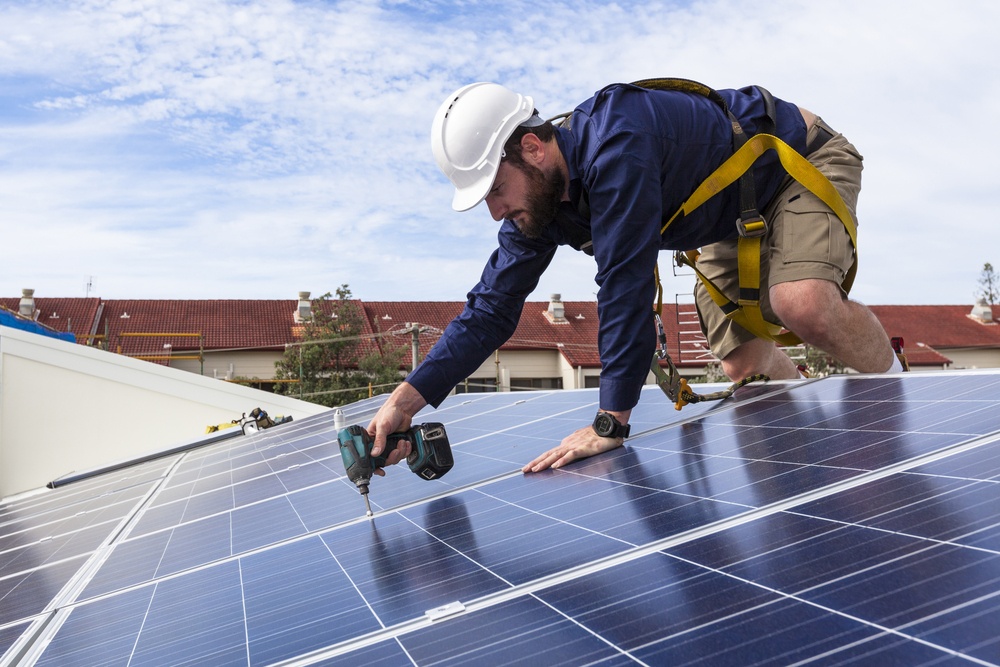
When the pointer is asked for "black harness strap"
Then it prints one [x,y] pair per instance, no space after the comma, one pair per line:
[750,222]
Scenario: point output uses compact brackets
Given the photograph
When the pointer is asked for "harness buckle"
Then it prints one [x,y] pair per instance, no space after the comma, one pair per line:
[752,227]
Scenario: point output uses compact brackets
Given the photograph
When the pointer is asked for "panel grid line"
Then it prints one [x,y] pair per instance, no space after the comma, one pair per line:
[637,552]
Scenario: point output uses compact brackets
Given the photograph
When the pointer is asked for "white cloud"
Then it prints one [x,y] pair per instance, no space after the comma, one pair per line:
[283,145]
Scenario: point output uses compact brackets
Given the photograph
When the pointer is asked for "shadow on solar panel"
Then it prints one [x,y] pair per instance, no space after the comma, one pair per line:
[847,520]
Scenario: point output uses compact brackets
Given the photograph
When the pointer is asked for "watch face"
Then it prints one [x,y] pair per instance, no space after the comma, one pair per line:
[604,424]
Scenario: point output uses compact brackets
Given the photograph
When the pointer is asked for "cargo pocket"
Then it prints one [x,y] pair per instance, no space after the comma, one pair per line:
[812,233]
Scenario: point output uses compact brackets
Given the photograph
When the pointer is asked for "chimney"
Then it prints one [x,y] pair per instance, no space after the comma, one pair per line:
[982,312]
[556,312]
[26,308]
[304,310]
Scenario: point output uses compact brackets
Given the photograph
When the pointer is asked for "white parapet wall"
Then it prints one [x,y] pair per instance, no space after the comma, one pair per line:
[65,408]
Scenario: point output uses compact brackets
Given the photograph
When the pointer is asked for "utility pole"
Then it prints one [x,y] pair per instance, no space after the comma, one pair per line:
[415,329]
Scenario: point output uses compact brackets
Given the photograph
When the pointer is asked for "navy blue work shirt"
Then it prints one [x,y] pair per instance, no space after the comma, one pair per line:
[636,155]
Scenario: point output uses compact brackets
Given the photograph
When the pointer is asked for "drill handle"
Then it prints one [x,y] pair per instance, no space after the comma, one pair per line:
[391,441]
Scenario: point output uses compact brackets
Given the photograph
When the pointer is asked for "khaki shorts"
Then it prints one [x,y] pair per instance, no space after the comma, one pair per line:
[805,239]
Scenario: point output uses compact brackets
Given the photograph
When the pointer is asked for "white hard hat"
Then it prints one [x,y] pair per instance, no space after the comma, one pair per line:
[468,135]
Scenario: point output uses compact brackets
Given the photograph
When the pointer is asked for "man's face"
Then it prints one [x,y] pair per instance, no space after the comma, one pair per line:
[526,195]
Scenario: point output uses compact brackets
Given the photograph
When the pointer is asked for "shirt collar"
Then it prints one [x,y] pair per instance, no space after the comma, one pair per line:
[567,145]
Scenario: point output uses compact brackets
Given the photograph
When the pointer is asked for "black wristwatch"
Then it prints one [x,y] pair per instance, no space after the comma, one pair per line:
[606,426]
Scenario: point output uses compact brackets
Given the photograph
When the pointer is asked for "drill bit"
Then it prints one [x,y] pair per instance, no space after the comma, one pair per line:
[363,488]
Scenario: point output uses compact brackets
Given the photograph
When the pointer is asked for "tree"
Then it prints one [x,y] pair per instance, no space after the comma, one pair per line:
[989,285]
[817,362]
[336,363]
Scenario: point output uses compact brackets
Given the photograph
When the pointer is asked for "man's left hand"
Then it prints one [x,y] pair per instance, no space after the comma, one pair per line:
[578,445]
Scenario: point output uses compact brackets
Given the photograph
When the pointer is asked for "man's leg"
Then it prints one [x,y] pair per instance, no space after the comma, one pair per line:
[820,315]
[759,356]
[805,260]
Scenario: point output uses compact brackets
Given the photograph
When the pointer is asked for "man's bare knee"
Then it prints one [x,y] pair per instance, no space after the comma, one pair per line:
[810,308]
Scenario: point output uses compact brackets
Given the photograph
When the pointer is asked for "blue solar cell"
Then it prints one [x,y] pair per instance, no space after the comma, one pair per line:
[980,463]
[256,549]
[326,505]
[196,543]
[9,635]
[520,632]
[402,571]
[264,523]
[826,556]
[299,599]
[971,628]
[254,490]
[938,508]
[209,631]
[28,593]
[917,587]
[157,517]
[131,562]
[102,633]
[210,503]
[387,653]
[304,476]
[782,633]
[69,545]
[508,541]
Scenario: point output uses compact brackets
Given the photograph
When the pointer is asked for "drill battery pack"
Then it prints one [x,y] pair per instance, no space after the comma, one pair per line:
[430,454]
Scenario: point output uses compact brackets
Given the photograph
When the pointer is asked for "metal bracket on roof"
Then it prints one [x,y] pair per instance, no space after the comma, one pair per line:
[445,611]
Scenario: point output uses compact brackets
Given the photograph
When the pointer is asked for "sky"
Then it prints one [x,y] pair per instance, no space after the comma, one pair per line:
[213,149]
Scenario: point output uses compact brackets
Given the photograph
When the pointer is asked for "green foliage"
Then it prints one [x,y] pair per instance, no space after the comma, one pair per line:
[817,362]
[820,364]
[713,373]
[336,363]
[989,285]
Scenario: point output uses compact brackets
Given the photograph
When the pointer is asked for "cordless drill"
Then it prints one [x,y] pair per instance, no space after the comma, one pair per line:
[430,456]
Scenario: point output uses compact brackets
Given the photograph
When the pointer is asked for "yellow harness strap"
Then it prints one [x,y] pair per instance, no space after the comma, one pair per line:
[746,311]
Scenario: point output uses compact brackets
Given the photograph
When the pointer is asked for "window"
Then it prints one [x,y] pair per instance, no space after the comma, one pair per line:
[476,386]
[525,384]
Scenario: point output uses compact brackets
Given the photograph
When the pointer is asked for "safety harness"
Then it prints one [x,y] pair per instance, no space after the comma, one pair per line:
[751,227]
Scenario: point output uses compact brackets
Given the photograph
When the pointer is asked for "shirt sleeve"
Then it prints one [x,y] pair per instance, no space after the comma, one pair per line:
[490,315]
[625,190]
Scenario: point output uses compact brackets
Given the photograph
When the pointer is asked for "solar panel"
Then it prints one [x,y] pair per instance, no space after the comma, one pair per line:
[847,519]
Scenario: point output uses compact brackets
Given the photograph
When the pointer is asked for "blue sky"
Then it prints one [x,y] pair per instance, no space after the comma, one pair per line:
[213,149]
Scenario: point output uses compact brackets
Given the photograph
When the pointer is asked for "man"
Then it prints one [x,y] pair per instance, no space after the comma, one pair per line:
[607,184]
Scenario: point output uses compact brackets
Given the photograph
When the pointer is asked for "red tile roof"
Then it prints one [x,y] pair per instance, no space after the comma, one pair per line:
[575,338]
[928,331]
[144,326]
[938,326]
[75,315]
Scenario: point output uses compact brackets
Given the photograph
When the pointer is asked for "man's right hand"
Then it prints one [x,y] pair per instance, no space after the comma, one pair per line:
[395,415]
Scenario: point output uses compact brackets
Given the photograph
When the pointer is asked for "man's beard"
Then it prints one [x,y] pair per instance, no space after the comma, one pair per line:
[544,194]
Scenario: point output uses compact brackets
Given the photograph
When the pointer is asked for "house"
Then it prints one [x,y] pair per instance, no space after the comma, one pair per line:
[945,336]
[554,345]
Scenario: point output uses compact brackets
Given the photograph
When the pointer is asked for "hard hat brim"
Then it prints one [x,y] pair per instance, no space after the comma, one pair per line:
[469,197]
